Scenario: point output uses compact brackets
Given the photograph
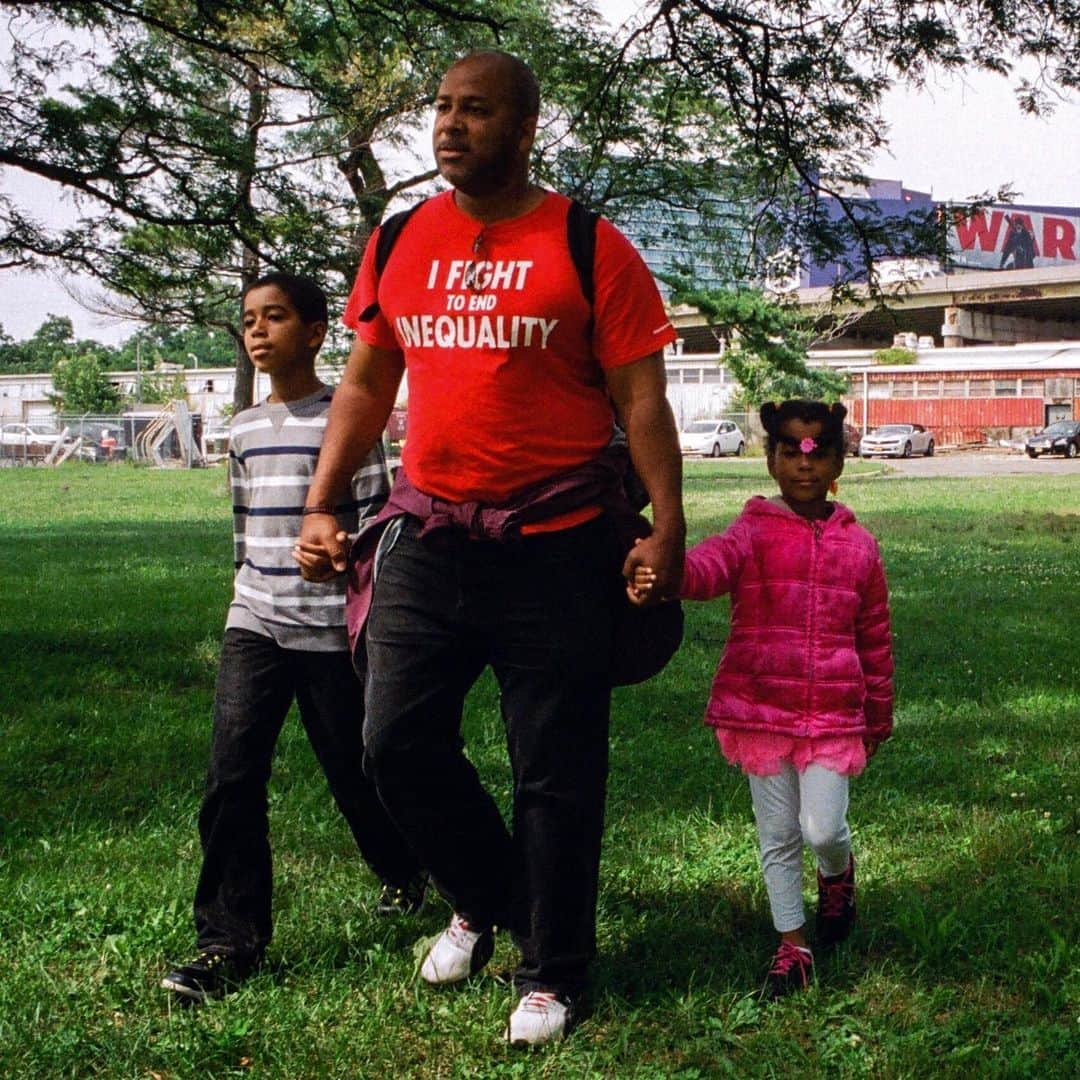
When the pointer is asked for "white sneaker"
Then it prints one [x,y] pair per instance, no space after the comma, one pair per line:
[540,1017]
[458,952]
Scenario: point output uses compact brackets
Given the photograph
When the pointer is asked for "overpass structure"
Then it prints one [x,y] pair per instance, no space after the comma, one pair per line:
[985,307]
[974,307]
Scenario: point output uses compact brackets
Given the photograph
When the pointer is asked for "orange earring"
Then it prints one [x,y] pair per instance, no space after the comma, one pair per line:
[834,487]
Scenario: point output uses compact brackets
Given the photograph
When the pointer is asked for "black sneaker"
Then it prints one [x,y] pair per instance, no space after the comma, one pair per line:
[405,899]
[211,974]
[791,969]
[836,906]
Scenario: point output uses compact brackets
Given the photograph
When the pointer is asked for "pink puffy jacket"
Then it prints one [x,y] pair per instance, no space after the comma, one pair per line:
[810,651]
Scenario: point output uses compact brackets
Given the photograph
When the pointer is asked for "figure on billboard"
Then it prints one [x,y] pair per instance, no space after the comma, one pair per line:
[1019,246]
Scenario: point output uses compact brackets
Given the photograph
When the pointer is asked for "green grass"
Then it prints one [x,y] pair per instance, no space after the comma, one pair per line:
[113,586]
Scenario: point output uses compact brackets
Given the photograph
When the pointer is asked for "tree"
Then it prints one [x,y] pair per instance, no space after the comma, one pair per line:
[12,354]
[802,83]
[764,345]
[207,144]
[81,386]
[160,387]
[165,343]
[53,340]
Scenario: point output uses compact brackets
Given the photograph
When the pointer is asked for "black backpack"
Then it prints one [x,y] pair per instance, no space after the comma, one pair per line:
[581,239]
[580,235]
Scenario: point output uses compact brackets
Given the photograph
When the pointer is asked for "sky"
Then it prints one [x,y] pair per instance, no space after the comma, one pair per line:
[959,137]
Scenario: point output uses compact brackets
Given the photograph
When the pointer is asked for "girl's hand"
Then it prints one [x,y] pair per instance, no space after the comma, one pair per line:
[639,588]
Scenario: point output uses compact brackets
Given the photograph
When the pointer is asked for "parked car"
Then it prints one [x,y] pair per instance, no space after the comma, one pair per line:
[102,440]
[711,438]
[28,442]
[31,436]
[1062,437]
[897,440]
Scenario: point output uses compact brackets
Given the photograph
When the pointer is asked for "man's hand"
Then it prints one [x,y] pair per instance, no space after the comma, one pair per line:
[660,558]
[321,550]
[637,389]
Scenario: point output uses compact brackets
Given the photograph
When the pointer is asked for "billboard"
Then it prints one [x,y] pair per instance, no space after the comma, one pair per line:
[995,237]
[1014,238]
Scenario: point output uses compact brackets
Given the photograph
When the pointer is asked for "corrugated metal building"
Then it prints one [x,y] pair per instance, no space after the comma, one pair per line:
[969,395]
[964,395]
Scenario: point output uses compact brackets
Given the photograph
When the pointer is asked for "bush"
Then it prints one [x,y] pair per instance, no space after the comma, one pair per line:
[894,355]
[161,387]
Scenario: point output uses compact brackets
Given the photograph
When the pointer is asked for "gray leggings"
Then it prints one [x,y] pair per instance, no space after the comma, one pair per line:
[793,809]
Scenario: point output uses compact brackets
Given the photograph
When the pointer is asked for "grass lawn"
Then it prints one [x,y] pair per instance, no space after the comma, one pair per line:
[113,588]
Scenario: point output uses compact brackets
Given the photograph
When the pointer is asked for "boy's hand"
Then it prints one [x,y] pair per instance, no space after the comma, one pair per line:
[320,551]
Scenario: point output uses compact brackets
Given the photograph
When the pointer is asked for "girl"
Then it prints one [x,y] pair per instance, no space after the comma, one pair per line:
[803,693]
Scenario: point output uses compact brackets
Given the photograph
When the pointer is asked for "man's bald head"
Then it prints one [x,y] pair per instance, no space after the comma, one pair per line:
[521,82]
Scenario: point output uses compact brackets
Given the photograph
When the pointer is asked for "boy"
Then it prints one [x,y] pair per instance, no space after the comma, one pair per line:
[284,639]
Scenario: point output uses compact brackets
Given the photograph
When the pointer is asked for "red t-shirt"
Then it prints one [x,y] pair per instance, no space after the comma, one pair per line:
[504,388]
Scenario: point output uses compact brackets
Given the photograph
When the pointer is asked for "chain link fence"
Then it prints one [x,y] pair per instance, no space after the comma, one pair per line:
[155,435]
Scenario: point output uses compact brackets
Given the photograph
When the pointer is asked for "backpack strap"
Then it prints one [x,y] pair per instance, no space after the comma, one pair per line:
[389,231]
[581,236]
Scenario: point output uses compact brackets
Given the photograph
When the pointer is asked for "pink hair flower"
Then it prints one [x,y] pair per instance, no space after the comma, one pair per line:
[808,445]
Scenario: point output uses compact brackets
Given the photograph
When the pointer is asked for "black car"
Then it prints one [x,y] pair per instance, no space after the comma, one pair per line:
[1062,437]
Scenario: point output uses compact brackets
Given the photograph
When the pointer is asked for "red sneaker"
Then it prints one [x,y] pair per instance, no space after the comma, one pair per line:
[791,969]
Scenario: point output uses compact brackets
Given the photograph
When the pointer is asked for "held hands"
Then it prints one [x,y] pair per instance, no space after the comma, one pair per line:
[320,551]
[653,571]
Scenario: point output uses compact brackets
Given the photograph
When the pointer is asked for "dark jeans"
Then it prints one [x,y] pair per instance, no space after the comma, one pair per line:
[257,682]
[539,611]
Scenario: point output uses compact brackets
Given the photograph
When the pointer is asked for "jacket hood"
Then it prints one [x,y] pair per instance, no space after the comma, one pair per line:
[760,506]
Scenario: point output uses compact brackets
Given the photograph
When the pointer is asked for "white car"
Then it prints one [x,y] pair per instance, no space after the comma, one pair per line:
[897,440]
[28,436]
[711,438]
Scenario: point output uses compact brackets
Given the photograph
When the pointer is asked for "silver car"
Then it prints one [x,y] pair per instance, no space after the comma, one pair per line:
[897,440]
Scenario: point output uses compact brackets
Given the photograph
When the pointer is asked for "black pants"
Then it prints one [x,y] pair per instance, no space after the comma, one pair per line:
[257,682]
[539,611]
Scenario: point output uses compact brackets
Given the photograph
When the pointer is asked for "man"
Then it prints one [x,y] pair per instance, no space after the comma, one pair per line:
[1019,246]
[510,372]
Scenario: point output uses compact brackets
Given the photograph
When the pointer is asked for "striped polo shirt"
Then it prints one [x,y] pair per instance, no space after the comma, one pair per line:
[273,452]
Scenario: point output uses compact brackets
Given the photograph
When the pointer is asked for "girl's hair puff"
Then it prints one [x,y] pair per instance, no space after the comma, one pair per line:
[304,293]
[831,418]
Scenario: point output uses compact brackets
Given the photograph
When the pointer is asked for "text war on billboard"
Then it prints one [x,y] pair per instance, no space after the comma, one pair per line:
[1013,238]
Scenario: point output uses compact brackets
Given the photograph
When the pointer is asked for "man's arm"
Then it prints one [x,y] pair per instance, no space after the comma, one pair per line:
[637,390]
[358,414]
